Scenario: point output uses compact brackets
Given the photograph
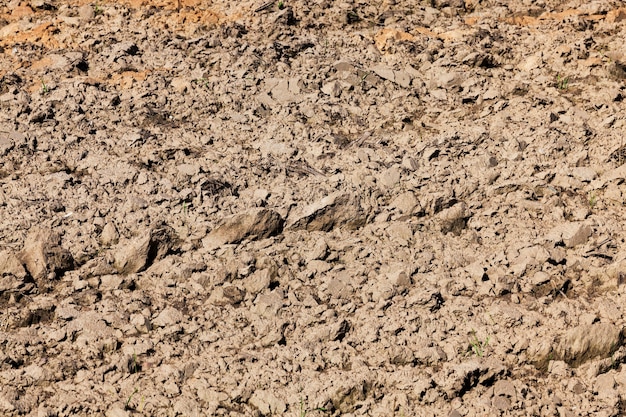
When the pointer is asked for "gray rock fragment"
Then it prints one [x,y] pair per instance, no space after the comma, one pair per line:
[384,72]
[227,295]
[168,317]
[332,88]
[585,343]
[464,376]
[390,177]
[109,235]
[454,219]
[336,210]
[138,254]
[282,93]
[253,224]
[43,255]
[12,272]
[117,410]
[570,233]
[267,403]
[6,144]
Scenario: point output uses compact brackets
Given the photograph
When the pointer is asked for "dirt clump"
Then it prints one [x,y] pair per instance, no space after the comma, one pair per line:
[312,207]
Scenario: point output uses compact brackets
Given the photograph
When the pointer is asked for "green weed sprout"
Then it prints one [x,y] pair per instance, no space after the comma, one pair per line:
[478,346]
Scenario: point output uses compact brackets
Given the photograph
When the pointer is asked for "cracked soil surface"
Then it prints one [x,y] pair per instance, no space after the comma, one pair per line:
[321,208]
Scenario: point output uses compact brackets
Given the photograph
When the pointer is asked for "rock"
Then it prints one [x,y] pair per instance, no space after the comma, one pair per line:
[43,255]
[570,233]
[142,324]
[390,177]
[109,235]
[500,402]
[605,385]
[406,203]
[464,376]
[447,79]
[454,219]
[6,144]
[338,330]
[504,388]
[318,252]
[188,170]
[584,174]
[259,280]
[336,210]
[400,232]
[403,79]
[254,224]
[332,88]
[168,317]
[86,12]
[384,72]
[180,84]
[141,252]
[117,410]
[348,395]
[476,271]
[268,305]
[12,272]
[584,343]
[267,403]
[226,295]
[282,93]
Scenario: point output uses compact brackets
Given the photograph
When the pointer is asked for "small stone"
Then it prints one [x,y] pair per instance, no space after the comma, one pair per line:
[454,219]
[337,209]
[6,144]
[332,89]
[504,388]
[258,281]
[384,72]
[476,271]
[390,177]
[344,66]
[501,402]
[138,254]
[180,85]
[318,252]
[268,305]
[253,224]
[281,92]
[406,203]
[117,410]
[584,343]
[400,232]
[226,295]
[109,235]
[43,255]
[571,234]
[447,79]
[605,385]
[12,272]
[188,169]
[141,323]
[86,12]
[267,403]
[584,174]
[168,317]
[403,79]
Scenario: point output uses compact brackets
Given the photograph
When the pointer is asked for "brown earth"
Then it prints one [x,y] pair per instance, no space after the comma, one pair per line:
[312,207]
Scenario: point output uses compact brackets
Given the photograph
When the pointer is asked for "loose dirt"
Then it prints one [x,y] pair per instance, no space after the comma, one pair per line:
[312,207]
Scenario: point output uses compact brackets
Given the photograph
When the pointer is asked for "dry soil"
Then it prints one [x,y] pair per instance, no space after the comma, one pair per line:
[384,208]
